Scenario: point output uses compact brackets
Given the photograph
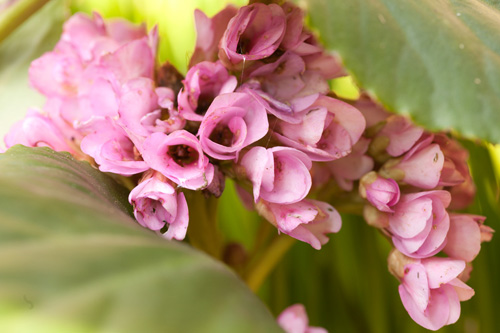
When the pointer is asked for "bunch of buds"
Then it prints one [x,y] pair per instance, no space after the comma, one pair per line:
[255,105]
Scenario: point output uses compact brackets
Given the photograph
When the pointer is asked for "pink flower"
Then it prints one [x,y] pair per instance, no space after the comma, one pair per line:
[112,149]
[431,292]
[307,220]
[352,167]
[209,31]
[156,205]
[455,169]
[279,174]
[328,131]
[420,223]
[294,320]
[254,33]
[465,236]
[179,157]
[401,134]
[37,130]
[420,167]
[90,41]
[380,192]
[202,84]
[232,122]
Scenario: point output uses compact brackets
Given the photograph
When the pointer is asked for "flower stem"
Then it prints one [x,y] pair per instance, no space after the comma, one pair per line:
[266,261]
[203,231]
[13,13]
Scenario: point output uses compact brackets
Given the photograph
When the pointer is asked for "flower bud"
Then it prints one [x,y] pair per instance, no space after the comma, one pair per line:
[380,192]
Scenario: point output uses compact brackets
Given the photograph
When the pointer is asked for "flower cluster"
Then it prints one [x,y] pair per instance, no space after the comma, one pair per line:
[255,105]
[417,179]
[252,101]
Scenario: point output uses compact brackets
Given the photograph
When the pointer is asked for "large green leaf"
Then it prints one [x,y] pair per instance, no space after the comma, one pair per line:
[437,60]
[73,260]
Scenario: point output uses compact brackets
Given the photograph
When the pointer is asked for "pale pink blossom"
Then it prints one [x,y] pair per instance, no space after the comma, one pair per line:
[420,167]
[294,320]
[328,131]
[157,205]
[209,31]
[401,134]
[380,192]
[420,223]
[180,158]
[38,130]
[465,236]
[352,167]
[254,33]
[455,169]
[112,149]
[307,220]
[202,84]
[232,122]
[279,174]
[431,292]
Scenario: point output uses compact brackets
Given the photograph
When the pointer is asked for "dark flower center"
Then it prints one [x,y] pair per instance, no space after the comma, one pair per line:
[222,135]
[183,154]
[204,102]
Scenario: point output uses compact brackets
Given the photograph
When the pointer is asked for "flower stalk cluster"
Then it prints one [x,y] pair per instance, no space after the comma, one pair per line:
[255,106]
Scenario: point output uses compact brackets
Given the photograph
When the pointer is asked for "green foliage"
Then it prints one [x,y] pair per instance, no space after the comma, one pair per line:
[436,60]
[73,260]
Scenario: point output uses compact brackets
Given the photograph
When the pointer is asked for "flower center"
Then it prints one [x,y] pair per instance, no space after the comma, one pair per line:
[222,135]
[183,154]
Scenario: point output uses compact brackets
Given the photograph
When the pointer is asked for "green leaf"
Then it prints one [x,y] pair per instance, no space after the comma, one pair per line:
[73,260]
[437,60]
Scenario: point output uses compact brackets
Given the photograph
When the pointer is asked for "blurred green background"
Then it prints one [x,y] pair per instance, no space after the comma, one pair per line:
[346,286]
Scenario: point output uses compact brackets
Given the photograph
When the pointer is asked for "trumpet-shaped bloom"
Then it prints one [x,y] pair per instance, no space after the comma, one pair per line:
[232,122]
[157,204]
[202,84]
[180,158]
[254,33]
[279,174]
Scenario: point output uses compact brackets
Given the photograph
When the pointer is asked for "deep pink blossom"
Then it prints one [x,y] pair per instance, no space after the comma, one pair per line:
[254,33]
[279,174]
[202,84]
[380,192]
[328,131]
[232,122]
[307,220]
[420,223]
[180,158]
[157,204]
[294,320]
[465,236]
